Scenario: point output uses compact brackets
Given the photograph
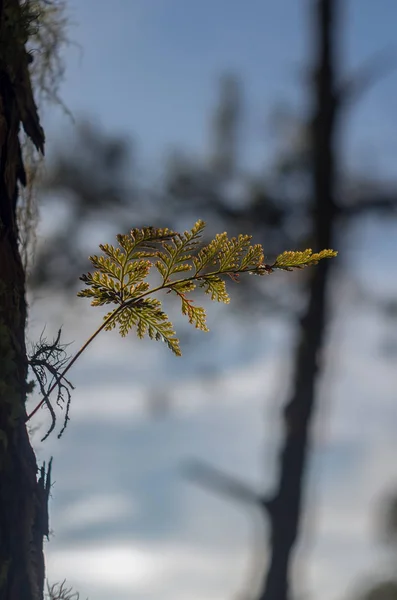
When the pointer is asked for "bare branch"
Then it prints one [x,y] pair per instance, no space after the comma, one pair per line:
[217,481]
[378,202]
[377,67]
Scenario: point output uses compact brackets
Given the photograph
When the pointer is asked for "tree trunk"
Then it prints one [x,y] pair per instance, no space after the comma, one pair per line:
[23,503]
[285,507]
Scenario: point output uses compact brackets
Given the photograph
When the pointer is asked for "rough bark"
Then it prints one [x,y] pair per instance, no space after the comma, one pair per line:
[23,498]
[284,509]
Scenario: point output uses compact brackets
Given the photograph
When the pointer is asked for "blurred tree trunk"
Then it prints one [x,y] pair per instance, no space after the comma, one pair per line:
[22,497]
[285,507]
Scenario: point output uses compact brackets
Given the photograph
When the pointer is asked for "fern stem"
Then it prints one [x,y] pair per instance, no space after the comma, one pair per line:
[72,361]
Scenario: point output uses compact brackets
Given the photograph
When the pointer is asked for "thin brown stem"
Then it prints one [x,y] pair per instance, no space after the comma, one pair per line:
[72,361]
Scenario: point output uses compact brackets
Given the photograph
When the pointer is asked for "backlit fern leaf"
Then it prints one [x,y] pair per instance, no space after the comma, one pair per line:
[134,292]
[138,244]
[126,319]
[232,253]
[208,255]
[110,319]
[133,277]
[153,321]
[184,286]
[121,269]
[107,265]
[195,314]
[176,254]
[216,287]
[252,258]
[105,297]
[143,243]
[103,289]
[290,260]
[148,318]
[117,255]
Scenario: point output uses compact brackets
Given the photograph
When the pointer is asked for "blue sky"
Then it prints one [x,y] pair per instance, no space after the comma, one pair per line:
[150,68]
[126,526]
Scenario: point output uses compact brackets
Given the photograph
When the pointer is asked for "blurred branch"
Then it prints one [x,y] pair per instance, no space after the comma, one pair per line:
[377,67]
[379,203]
[219,482]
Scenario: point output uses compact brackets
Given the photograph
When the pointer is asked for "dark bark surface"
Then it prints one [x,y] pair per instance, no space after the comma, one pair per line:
[22,497]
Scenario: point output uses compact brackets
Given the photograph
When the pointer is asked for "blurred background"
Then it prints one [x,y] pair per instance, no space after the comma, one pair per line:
[262,464]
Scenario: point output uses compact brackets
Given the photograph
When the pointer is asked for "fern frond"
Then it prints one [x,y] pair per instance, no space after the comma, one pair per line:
[208,255]
[105,297]
[232,252]
[175,256]
[216,287]
[195,314]
[252,258]
[115,254]
[184,286]
[290,259]
[148,318]
[110,320]
[120,276]
[106,265]
[121,269]
[142,243]
[103,289]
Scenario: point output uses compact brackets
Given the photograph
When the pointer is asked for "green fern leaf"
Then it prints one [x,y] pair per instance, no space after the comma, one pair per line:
[215,286]
[135,291]
[134,273]
[208,255]
[148,319]
[111,320]
[126,319]
[107,266]
[144,241]
[176,254]
[115,254]
[290,259]
[184,286]
[253,258]
[182,268]
[105,297]
[232,252]
[327,253]
[195,314]
[153,321]
[103,289]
